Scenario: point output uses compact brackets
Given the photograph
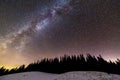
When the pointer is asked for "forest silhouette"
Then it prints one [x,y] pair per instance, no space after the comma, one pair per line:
[67,64]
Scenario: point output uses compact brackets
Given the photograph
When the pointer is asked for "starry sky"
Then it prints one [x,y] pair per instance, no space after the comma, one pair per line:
[34,29]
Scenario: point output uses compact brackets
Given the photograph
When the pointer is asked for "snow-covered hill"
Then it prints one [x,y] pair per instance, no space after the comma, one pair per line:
[81,75]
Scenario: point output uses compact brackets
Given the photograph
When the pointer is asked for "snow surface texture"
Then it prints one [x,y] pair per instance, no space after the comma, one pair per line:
[81,75]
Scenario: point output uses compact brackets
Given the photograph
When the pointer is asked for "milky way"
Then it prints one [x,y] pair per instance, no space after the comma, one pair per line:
[34,29]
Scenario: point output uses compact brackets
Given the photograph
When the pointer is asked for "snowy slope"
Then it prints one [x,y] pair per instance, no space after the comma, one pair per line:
[88,76]
[81,75]
[29,76]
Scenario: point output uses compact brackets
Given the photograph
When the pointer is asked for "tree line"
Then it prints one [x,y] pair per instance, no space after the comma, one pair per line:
[67,64]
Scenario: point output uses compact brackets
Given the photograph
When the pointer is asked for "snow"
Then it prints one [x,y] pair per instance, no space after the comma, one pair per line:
[29,76]
[78,75]
[88,75]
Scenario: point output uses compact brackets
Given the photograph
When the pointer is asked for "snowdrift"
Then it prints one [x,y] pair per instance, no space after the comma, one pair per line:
[80,75]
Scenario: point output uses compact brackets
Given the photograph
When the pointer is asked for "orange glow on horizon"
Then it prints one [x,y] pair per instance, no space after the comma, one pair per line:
[10,67]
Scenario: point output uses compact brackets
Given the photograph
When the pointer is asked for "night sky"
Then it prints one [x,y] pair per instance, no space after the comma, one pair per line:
[34,29]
